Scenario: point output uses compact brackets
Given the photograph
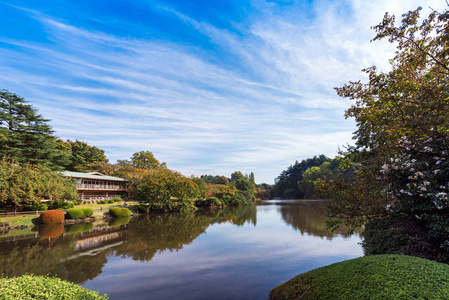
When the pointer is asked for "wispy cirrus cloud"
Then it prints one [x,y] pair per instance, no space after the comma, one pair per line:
[255,95]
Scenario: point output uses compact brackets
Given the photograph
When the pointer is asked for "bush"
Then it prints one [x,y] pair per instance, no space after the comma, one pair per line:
[102,202]
[60,204]
[36,206]
[213,201]
[248,195]
[88,212]
[81,227]
[51,231]
[111,201]
[227,200]
[75,213]
[239,199]
[40,287]
[51,217]
[209,201]
[119,212]
[399,235]
[143,208]
[117,199]
[200,202]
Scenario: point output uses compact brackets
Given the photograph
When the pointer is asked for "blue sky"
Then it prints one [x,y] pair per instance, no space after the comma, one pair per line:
[210,87]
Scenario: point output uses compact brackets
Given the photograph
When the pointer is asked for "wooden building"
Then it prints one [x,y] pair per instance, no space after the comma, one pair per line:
[96,186]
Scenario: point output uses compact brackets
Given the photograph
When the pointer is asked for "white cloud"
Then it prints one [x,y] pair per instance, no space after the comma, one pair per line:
[272,105]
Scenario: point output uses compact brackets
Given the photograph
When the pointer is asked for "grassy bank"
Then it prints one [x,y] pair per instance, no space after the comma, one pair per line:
[370,277]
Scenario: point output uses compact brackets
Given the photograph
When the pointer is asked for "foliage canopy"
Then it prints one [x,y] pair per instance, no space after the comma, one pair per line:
[402,136]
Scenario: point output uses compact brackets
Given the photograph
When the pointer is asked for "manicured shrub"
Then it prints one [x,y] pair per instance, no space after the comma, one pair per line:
[51,217]
[119,212]
[40,287]
[117,199]
[88,212]
[81,227]
[111,201]
[102,202]
[75,213]
[117,222]
[51,231]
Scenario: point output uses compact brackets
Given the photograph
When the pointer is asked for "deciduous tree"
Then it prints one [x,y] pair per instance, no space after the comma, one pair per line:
[403,126]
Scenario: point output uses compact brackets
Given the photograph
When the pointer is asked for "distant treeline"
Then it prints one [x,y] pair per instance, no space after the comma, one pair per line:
[297,181]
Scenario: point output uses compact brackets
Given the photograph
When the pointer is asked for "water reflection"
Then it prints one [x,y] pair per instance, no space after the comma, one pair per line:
[247,250]
[308,218]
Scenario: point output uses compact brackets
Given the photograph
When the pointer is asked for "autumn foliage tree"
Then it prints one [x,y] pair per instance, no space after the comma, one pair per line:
[27,184]
[159,188]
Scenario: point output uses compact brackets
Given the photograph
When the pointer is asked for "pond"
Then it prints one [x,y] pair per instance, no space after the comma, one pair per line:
[231,253]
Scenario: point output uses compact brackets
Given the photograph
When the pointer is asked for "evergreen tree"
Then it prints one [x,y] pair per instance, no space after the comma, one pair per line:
[25,136]
[82,154]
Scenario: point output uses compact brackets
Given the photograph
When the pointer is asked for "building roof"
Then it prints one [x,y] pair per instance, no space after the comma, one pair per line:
[93,175]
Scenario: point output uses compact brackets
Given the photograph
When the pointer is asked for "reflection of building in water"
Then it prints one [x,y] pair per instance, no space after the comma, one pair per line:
[92,242]
[96,186]
[96,241]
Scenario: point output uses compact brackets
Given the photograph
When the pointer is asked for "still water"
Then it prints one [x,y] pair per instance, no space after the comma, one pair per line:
[231,253]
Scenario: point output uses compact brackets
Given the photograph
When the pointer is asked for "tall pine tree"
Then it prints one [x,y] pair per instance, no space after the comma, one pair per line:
[25,136]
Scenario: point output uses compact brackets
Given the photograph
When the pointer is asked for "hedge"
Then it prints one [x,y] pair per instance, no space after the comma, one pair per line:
[75,213]
[119,212]
[51,217]
[29,287]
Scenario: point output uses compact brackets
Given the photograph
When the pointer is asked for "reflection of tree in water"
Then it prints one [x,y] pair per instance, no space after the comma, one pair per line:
[81,257]
[235,215]
[307,217]
[157,233]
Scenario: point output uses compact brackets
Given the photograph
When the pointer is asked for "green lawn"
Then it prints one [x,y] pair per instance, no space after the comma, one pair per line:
[370,277]
[21,219]
[32,219]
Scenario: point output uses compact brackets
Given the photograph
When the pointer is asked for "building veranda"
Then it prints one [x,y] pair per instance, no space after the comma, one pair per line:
[96,186]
